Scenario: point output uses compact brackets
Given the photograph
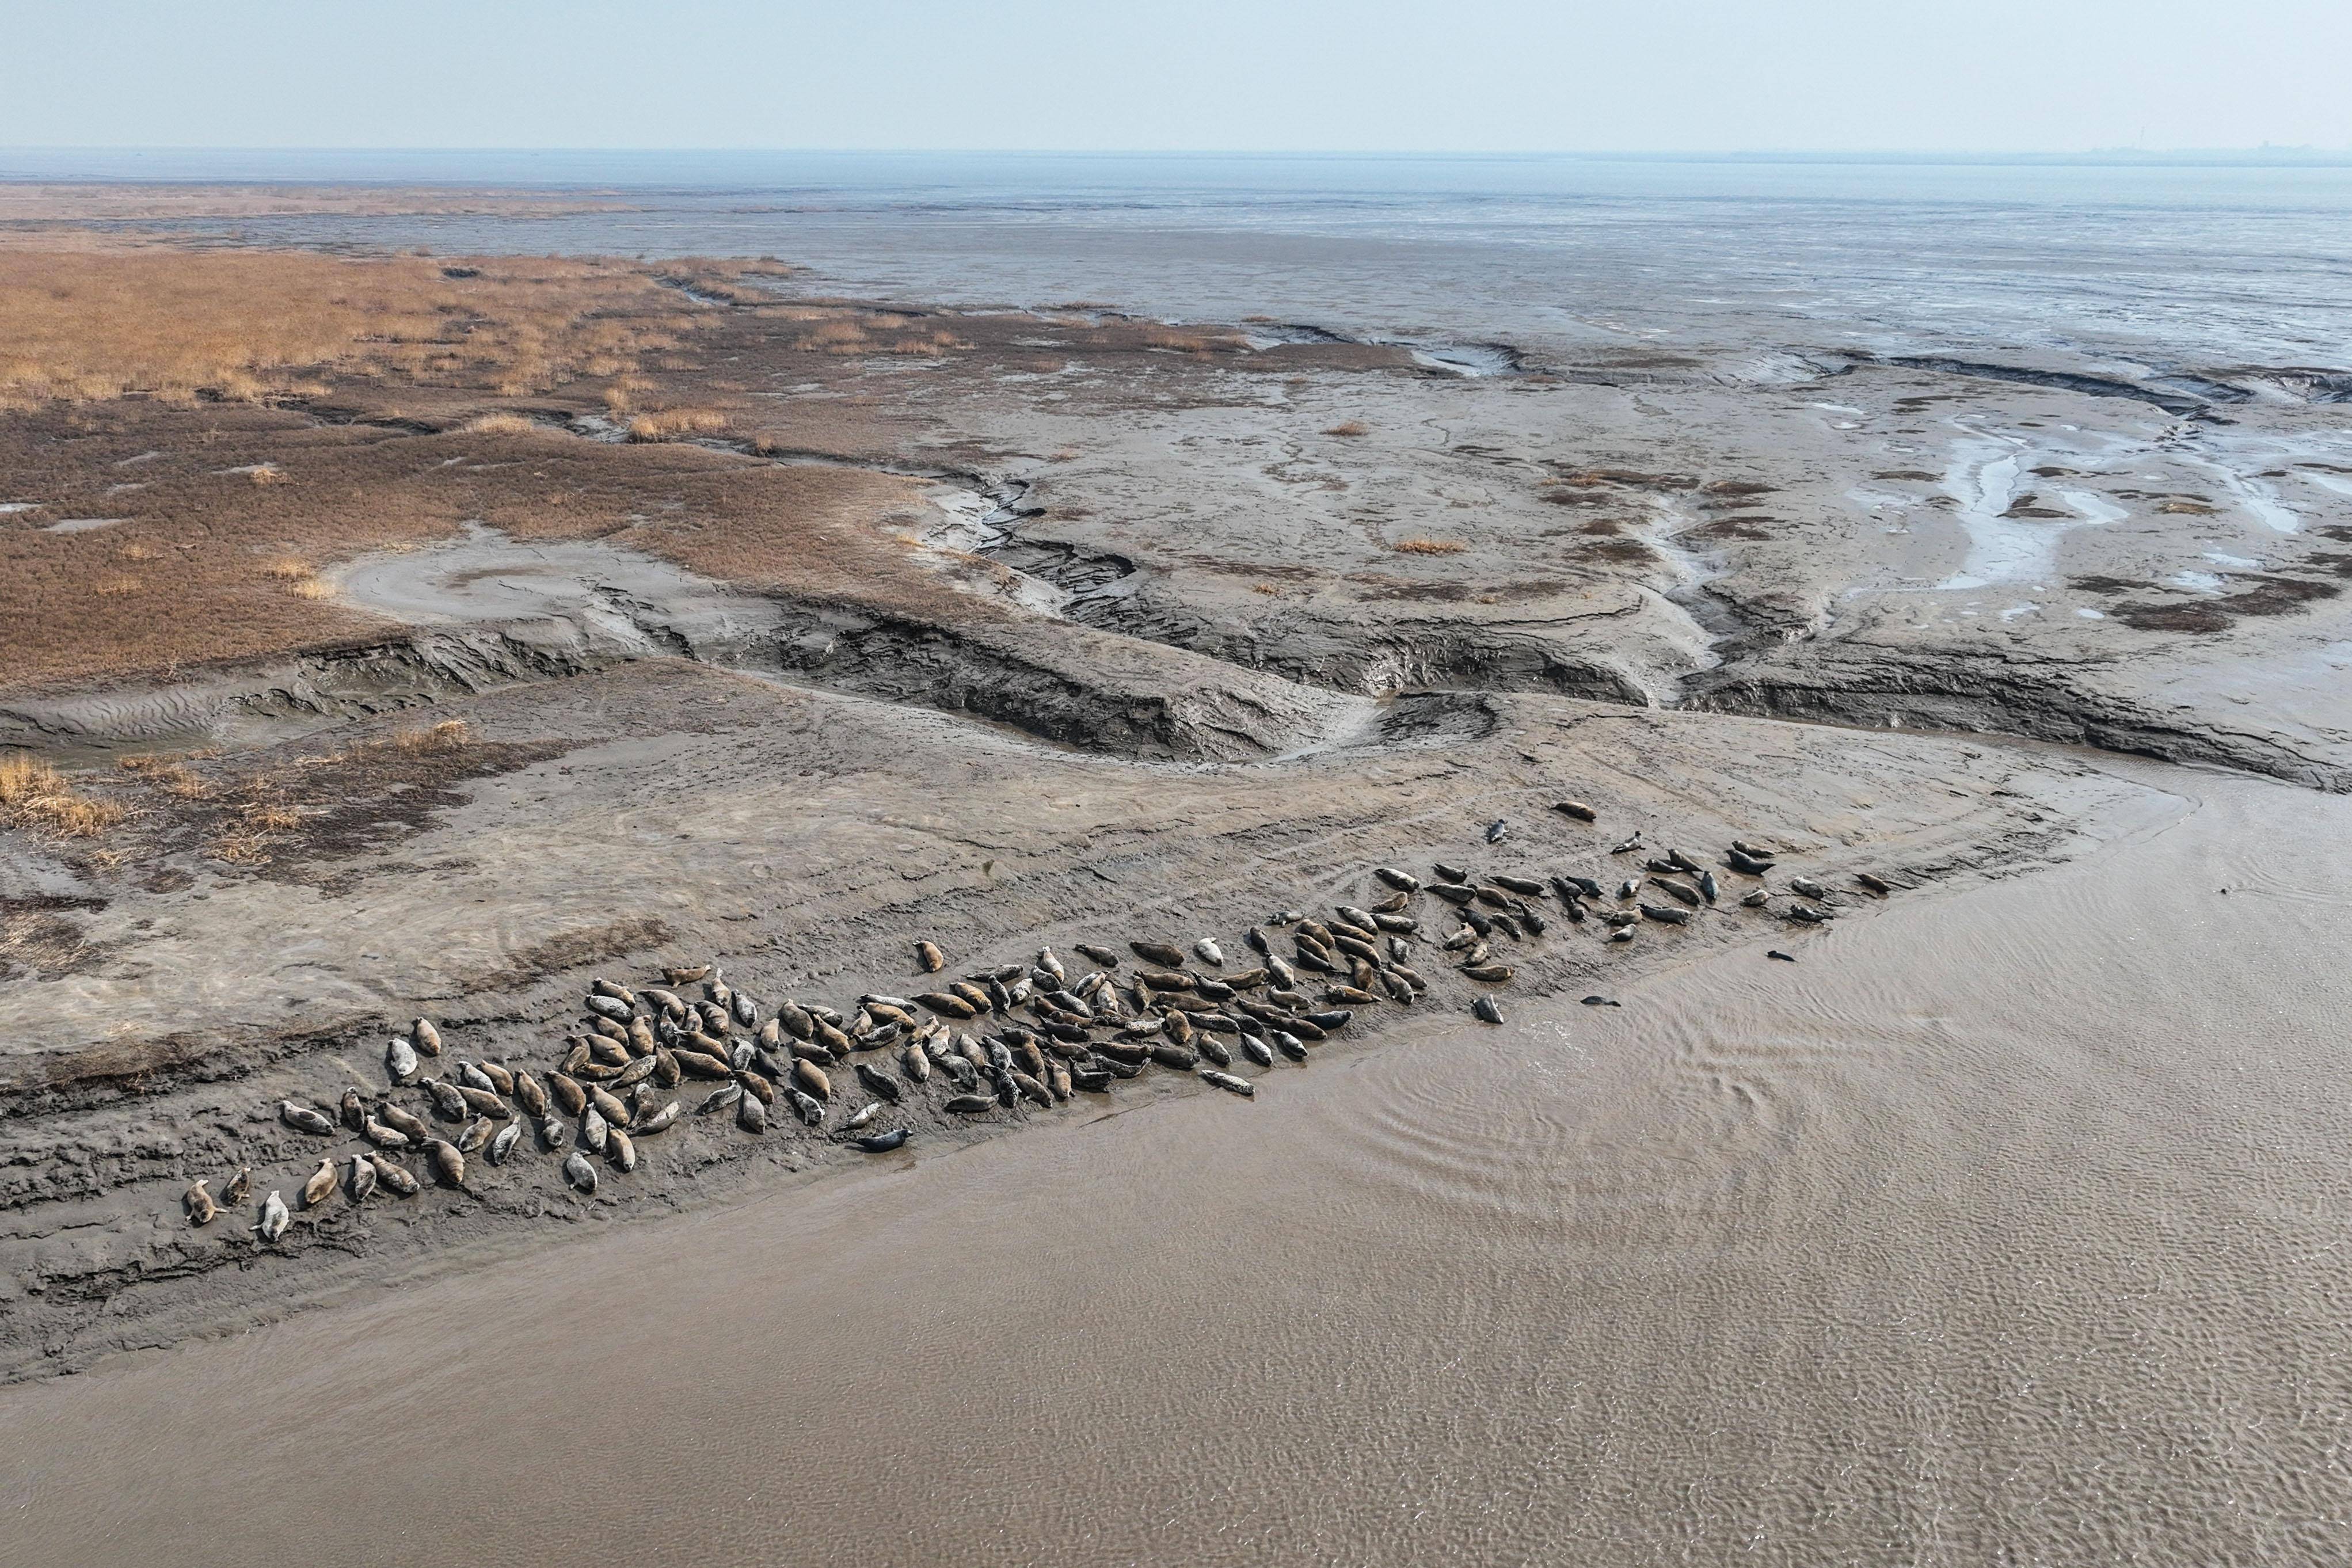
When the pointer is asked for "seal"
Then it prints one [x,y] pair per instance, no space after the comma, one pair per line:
[1229,1082]
[274,1218]
[1158,953]
[482,1103]
[1037,1093]
[970,1105]
[408,1124]
[238,1186]
[1491,974]
[352,1112]
[1878,885]
[623,1153]
[1746,864]
[1783,957]
[1171,1055]
[1807,914]
[395,1177]
[1497,830]
[476,1135]
[687,976]
[1402,881]
[321,1182]
[202,1210]
[948,1004]
[1215,1050]
[915,1064]
[579,1173]
[1667,915]
[883,1142]
[447,1101]
[359,1178]
[1454,893]
[1810,887]
[863,1115]
[807,1110]
[568,1095]
[1097,952]
[594,1131]
[1525,887]
[1755,901]
[303,1119]
[1257,1050]
[1210,953]
[879,1083]
[659,1121]
[1487,1010]
[1707,886]
[1684,895]
[1601,1001]
[1757,850]
[400,1063]
[528,1095]
[608,1106]
[702,1064]
[504,1144]
[1576,810]
[1288,1044]
[425,1037]
[810,1080]
[1628,846]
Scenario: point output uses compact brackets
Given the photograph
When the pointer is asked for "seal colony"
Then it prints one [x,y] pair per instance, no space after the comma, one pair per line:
[1034,1032]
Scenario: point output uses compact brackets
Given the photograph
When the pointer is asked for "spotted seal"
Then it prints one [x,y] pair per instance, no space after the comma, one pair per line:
[321,1182]
[1402,881]
[475,1136]
[878,1083]
[395,1177]
[623,1152]
[200,1209]
[359,1178]
[399,1061]
[1230,1082]
[1487,1010]
[579,1173]
[1665,915]
[304,1119]
[1809,888]
[274,1218]
[883,1142]
[1158,952]
[407,1124]
[503,1145]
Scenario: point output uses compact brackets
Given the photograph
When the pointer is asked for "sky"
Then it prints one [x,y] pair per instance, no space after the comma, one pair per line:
[1207,75]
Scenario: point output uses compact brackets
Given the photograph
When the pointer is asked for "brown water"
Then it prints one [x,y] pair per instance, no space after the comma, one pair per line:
[2008,1226]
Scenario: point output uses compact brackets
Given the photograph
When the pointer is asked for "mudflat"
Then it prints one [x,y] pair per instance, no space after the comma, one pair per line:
[543,623]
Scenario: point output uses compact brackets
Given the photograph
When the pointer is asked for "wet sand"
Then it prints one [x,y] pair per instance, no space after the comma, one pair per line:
[2005,1226]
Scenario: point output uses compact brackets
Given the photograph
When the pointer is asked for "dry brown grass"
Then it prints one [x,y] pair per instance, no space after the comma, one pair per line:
[116,586]
[240,846]
[36,794]
[448,735]
[673,423]
[288,569]
[81,327]
[515,424]
[1349,428]
[1429,547]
